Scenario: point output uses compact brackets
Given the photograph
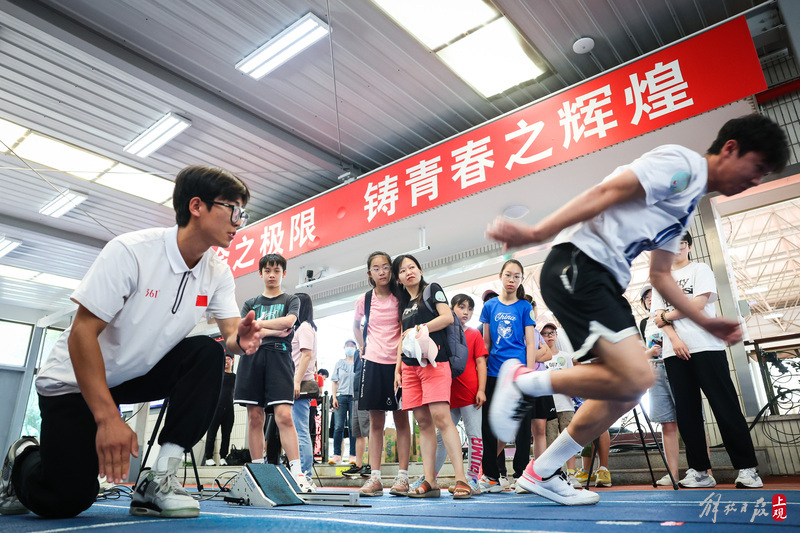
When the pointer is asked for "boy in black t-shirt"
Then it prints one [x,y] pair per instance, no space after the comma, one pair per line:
[266,378]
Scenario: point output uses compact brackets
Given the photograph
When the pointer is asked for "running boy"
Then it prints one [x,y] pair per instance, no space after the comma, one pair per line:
[646,205]
[266,379]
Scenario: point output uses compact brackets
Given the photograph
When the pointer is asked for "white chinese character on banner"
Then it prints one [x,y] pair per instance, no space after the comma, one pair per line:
[533,131]
[381,197]
[272,239]
[223,254]
[424,180]
[665,90]
[586,111]
[302,228]
[246,244]
[471,162]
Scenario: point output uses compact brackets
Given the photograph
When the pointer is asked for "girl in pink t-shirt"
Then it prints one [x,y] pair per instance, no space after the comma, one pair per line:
[377,340]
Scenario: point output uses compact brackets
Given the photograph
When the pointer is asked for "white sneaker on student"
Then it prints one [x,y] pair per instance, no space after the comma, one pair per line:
[223,462]
[305,484]
[509,406]
[556,488]
[161,494]
[697,480]
[506,485]
[9,503]
[748,479]
[210,462]
[664,481]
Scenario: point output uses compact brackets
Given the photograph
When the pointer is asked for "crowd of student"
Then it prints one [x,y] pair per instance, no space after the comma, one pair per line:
[148,289]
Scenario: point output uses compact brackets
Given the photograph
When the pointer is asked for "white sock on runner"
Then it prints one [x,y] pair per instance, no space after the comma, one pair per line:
[556,454]
[535,383]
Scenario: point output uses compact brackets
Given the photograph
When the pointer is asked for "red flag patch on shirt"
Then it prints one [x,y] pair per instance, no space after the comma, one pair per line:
[202,300]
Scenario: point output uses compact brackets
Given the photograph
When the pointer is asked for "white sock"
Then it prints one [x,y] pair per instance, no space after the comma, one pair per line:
[376,474]
[258,461]
[167,451]
[295,467]
[403,473]
[556,454]
[535,383]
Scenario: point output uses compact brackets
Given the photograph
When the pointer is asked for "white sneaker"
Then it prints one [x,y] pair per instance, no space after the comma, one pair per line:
[508,407]
[161,494]
[748,479]
[556,488]
[505,484]
[9,503]
[210,462]
[572,480]
[492,487]
[664,481]
[223,462]
[305,484]
[697,480]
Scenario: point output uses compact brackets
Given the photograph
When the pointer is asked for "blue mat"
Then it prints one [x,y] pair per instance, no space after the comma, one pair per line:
[634,511]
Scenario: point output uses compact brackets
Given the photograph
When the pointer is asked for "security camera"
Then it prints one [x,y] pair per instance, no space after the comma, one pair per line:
[309,275]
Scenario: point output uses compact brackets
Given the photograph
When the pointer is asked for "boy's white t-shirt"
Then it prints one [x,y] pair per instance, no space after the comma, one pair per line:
[694,279]
[383,330]
[674,179]
[560,361]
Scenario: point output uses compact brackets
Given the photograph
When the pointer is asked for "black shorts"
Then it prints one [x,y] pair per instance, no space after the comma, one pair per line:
[377,388]
[586,298]
[544,408]
[265,378]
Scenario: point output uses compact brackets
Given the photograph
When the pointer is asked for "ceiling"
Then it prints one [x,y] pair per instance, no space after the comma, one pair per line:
[97,73]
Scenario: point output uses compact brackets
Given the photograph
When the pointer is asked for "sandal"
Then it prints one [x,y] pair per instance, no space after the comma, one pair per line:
[425,491]
[462,491]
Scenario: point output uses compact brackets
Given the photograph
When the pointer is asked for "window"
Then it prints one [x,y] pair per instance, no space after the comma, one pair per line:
[16,338]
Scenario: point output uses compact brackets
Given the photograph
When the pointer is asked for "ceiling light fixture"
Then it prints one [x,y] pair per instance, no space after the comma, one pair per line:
[9,134]
[62,156]
[133,181]
[492,59]
[287,44]
[157,135]
[515,211]
[6,245]
[62,203]
[773,316]
[584,45]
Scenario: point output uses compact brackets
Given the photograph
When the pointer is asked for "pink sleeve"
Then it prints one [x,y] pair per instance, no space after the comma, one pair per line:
[359,308]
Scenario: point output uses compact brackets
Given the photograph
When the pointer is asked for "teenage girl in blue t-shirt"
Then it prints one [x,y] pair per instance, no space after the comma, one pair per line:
[509,332]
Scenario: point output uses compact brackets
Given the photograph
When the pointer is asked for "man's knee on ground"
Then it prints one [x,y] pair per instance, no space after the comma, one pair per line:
[72,501]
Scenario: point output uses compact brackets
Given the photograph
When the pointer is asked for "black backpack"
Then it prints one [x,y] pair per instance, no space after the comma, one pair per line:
[456,340]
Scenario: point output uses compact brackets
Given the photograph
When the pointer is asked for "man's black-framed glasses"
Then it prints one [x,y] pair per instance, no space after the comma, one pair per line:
[237,212]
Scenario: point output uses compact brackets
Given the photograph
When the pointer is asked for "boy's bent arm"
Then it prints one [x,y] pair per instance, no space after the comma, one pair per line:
[622,188]
[115,441]
[661,278]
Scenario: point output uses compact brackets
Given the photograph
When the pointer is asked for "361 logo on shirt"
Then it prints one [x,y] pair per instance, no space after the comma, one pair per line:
[151,293]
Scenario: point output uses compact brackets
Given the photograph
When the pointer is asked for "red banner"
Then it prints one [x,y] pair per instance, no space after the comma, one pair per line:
[710,70]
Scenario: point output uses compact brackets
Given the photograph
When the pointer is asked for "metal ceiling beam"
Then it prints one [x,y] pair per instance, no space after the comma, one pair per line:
[27,226]
[198,99]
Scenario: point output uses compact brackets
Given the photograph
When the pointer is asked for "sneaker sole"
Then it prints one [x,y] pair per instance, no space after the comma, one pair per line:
[10,511]
[590,498]
[171,513]
[503,426]
[370,494]
[740,485]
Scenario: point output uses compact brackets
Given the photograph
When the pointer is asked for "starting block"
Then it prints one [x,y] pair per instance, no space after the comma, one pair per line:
[265,485]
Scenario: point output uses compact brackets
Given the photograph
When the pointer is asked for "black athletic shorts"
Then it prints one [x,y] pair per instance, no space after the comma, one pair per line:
[377,388]
[265,377]
[586,298]
[544,408]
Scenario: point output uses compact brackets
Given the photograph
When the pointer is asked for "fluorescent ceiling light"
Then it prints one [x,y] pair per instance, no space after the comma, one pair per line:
[157,135]
[436,23]
[9,134]
[281,48]
[756,290]
[57,281]
[492,59]
[132,181]
[17,273]
[35,276]
[62,156]
[773,316]
[62,203]
[6,245]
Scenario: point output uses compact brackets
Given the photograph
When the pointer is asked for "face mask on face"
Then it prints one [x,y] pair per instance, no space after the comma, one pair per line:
[349,351]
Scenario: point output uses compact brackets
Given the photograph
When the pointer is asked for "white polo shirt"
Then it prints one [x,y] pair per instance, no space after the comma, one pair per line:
[141,286]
